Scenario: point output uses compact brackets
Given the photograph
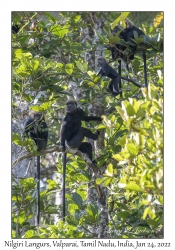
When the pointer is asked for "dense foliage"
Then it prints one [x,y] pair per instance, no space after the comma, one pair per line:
[45,58]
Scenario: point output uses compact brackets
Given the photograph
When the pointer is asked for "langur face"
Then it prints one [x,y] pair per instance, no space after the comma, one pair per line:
[71,107]
[38,116]
[101,61]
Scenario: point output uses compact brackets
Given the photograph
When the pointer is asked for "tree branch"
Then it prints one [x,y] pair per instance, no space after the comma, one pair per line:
[88,162]
[52,149]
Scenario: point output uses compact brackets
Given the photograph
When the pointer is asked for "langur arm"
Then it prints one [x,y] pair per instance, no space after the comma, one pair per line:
[92,118]
[105,70]
[87,118]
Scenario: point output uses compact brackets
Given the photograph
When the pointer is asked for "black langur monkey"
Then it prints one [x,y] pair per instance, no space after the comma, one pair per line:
[37,129]
[127,35]
[15,29]
[72,134]
[107,70]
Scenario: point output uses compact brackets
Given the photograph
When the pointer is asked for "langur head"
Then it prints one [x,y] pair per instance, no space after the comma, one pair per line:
[71,106]
[101,61]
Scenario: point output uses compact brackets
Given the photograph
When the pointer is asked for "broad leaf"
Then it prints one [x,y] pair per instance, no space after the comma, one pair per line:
[134,187]
[122,17]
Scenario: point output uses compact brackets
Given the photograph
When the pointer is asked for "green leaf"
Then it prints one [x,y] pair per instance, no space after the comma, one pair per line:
[69,68]
[52,184]
[102,39]
[140,130]
[92,74]
[110,169]
[121,112]
[59,31]
[46,105]
[133,149]
[114,39]
[43,107]
[77,199]
[77,18]
[21,218]
[20,54]
[36,64]
[141,112]
[152,93]
[100,180]
[36,84]
[107,181]
[89,220]
[122,17]
[50,17]
[83,67]
[36,108]
[82,177]
[122,206]
[135,35]
[120,133]
[136,65]
[43,193]
[17,139]
[92,210]
[29,234]
[72,220]
[22,71]
[123,215]
[28,184]
[107,30]
[144,202]
[72,208]
[101,126]
[134,187]
[118,157]
[27,97]
[145,213]
[130,110]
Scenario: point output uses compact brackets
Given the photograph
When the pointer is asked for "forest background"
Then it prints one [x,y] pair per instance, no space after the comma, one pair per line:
[167,114]
[54,57]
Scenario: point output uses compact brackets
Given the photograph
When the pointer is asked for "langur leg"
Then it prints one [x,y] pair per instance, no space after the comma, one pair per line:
[86,148]
[78,138]
[110,86]
[41,144]
[113,87]
[89,134]
[115,84]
